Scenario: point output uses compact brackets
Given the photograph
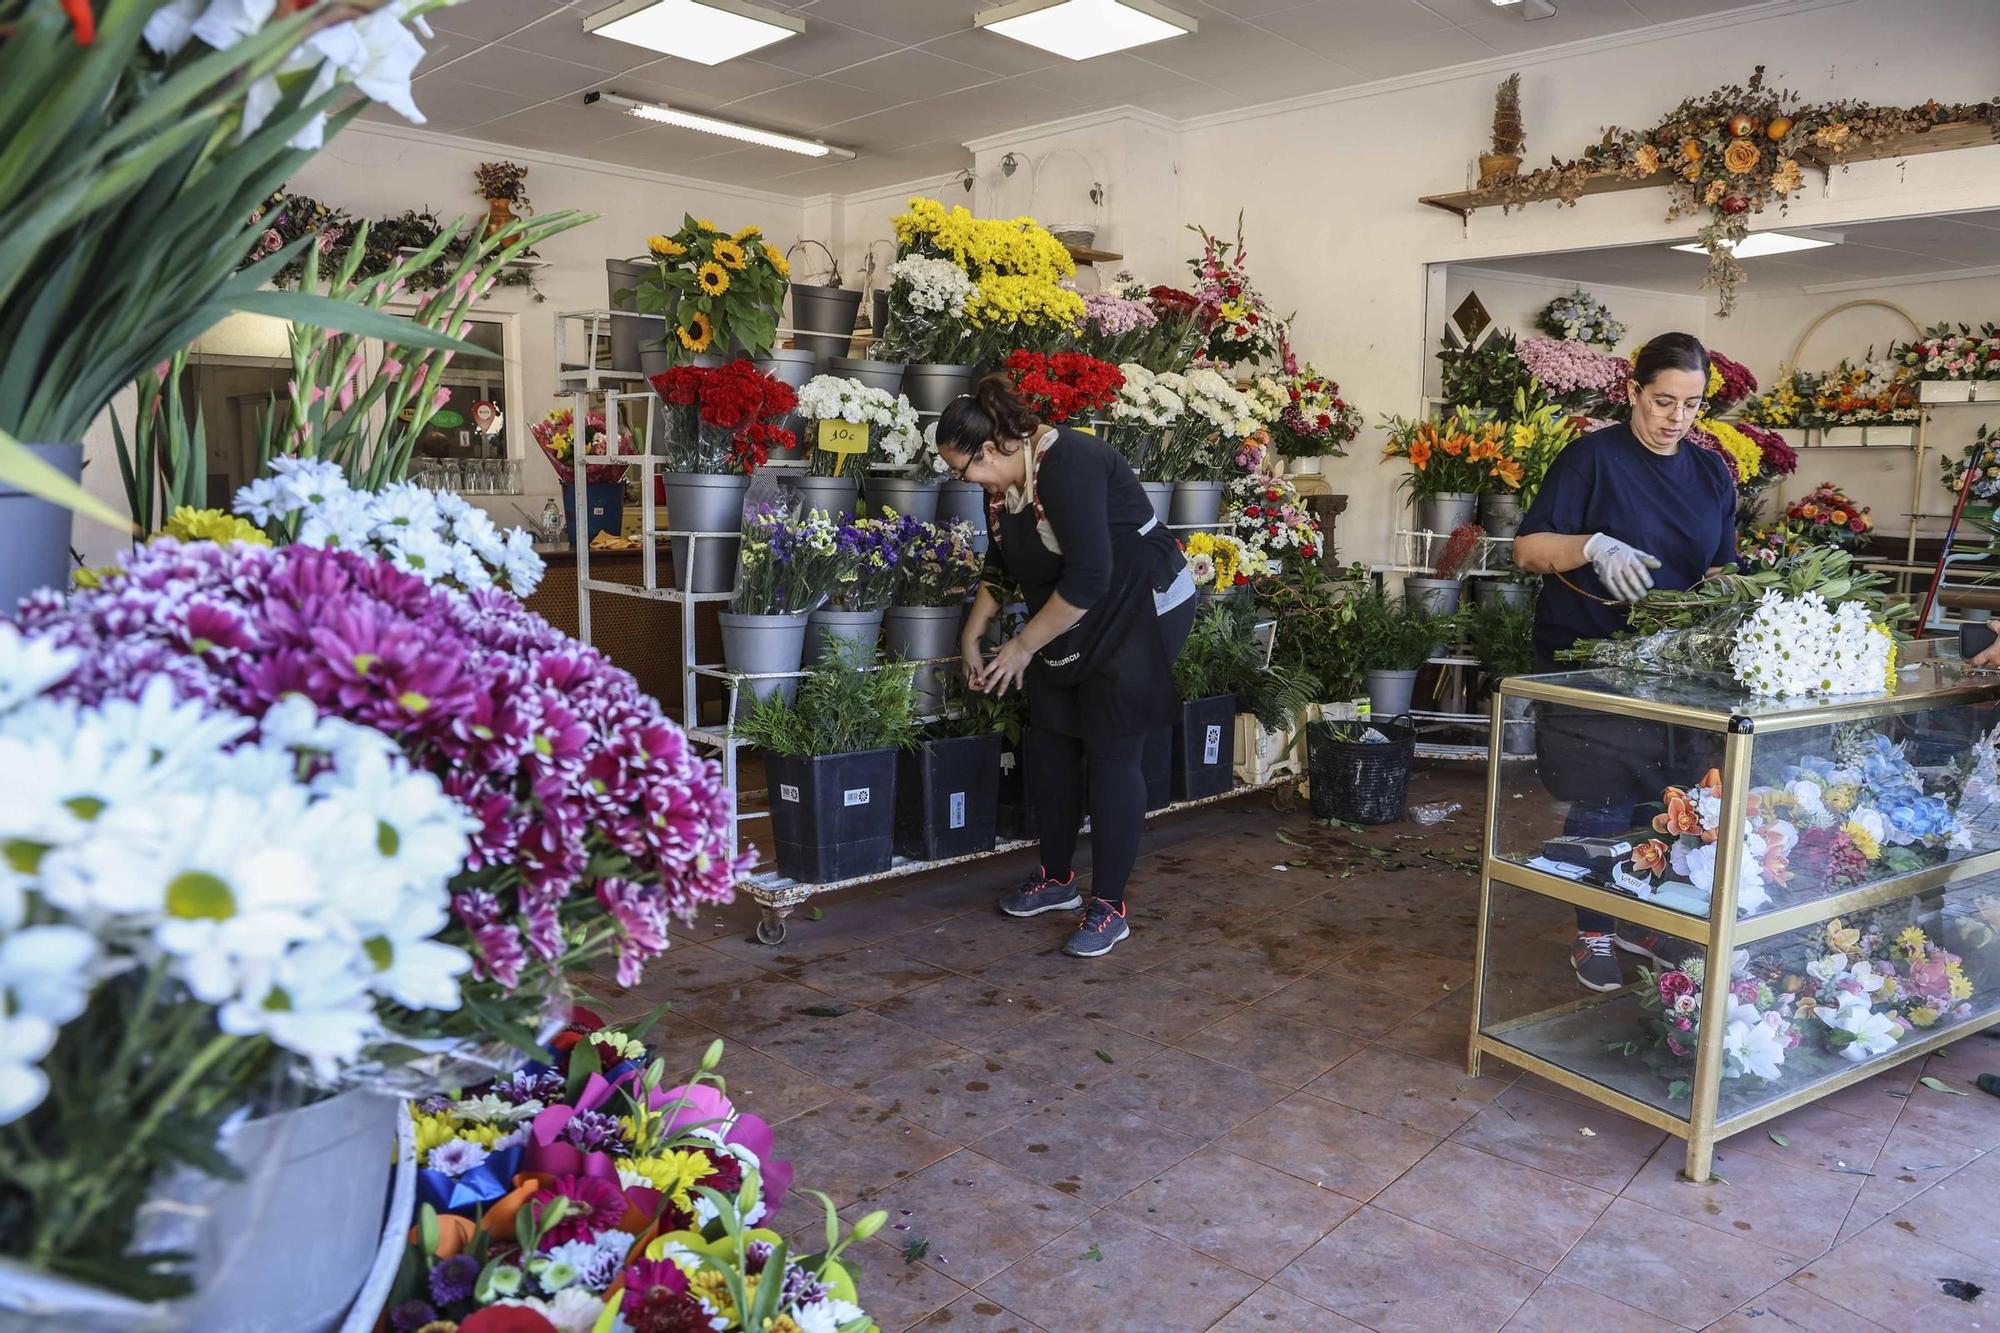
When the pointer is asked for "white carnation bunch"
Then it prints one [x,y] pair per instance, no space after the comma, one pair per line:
[1145,399]
[833,398]
[933,286]
[1217,401]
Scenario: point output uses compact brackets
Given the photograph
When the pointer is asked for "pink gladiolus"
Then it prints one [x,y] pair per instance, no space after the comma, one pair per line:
[440,398]
[160,371]
[391,368]
[465,282]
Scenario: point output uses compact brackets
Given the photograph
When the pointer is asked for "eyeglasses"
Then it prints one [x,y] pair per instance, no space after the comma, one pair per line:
[958,473]
[1668,406]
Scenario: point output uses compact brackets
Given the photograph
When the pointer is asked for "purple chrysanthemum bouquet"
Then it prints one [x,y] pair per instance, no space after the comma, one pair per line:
[596,819]
[1114,327]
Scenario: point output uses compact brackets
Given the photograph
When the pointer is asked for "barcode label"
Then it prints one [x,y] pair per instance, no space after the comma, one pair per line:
[787,792]
[856,796]
[958,809]
[1211,750]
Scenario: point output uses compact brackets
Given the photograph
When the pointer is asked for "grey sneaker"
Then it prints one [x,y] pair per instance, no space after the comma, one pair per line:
[1102,926]
[1596,965]
[1665,950]
[1041,894]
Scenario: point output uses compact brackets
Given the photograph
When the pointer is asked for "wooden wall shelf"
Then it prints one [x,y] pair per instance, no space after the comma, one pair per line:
[1083,254]
[1936,139]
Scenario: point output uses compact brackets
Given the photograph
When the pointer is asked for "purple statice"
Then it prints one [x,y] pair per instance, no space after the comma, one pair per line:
[577,778]
[594,1131]
[1576,374]
[452,1280]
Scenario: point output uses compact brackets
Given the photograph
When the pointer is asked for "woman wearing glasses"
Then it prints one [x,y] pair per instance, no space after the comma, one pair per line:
[1110,603]
[1624,509]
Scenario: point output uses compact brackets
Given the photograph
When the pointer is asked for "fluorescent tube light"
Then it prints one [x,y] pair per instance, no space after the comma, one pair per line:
[1757,245]
[1081,29]
[659,113]
[705,31]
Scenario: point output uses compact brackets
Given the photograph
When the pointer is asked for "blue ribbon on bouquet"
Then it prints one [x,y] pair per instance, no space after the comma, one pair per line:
[483,1184]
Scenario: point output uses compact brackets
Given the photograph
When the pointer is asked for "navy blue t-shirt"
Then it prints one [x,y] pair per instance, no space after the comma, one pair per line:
[1681,510]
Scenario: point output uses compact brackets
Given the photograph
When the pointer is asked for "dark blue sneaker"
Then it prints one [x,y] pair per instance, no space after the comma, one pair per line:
[1102,926]
[1041,894]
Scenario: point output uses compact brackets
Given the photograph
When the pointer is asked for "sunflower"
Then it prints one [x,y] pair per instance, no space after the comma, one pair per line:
[777,258]
[665,247]
[752,230]
[705,225]
[730,255]
[697,334]
[714,282]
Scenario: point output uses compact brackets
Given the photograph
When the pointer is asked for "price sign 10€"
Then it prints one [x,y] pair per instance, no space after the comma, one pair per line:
[843,439]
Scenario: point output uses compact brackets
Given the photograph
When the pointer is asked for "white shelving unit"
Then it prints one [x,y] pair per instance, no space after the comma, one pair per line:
[580,378]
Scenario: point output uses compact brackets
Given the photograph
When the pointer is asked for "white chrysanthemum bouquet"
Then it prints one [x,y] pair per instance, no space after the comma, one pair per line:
[1800,646]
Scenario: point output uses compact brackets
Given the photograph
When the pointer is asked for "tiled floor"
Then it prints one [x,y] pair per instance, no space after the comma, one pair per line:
[1254,1115]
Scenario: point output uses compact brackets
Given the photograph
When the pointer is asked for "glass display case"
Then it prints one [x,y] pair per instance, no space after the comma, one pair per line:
[1837,861]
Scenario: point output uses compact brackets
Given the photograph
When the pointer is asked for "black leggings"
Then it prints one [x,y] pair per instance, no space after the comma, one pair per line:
[1117,788]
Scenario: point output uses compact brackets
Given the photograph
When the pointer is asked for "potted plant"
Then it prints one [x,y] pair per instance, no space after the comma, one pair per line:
[929,330]
[1315,613]
[940,567]
[718,293]
[721,425]
[1452,460]
[847,425]
[604,483]
[786,572]
[830,759]
[1198,453]
[504,187]
[867,566]
[1509,139]
[948,785]
[1393,639]
[910,478]
[1144,412]
[1267,515]
[1317,423]
[1439,593]
[1483,376]
[1529,446]
[1224,669]
[1017,268]
[1502,636]
[1222,566]
[1578,377]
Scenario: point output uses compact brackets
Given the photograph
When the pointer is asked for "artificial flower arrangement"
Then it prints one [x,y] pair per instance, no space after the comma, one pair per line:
[870,557]
[1178,331]
[1115,327]
[1315,421]
[1730,153]
[556,436]
[1783,406]
[1874,392]
[1581,318]
[1202,443]
[594,817]
[200,903]
[929,321]
[1147,410]
[1268,516]
[1985,484]
[1531,443]
[1951,352]
[1017,269]
[1827,516]
[1729,383]
[1576,375]
[1239,322]
[584,1194]
[1459,454]
[1064,387]
[724,418]
[939,562]
[887,416]
[718,289]
[1219,562]
[788,563]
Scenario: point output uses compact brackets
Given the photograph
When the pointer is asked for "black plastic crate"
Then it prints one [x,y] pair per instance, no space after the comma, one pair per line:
[948,797]
[833,816]
[1204,747]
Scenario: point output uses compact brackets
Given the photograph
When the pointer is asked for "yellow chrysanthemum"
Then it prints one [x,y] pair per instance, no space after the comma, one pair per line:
[709,1287]
[1889,683]
[1864,841]
[1742,450]
[673,1174]
[712,279]
[1922,1016]
[778,261]
[91,578]
[665,246]
[211,525]
[697,334]
[436,1130]
[729,254]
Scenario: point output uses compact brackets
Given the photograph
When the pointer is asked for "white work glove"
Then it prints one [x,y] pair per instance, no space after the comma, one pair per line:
[1624,570]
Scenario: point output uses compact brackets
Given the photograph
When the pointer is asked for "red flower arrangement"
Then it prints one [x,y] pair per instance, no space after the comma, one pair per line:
[1779,458]
[738,398]
[1829,516]
[1066,386]
[1737,383]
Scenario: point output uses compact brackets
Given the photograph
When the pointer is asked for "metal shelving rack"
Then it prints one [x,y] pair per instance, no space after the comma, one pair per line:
[587,385]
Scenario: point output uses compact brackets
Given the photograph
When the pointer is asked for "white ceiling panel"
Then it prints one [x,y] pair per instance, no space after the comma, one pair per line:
[1108,79]
[521,73]
[1302,77]
[450,106]
[912,75]
[808,105]
[1333,27]
[490,20]
[1576,21]
[1223,45]
[1410,55]
[987,51]
[702,87]
[905,22]
[825,47]
[562,36]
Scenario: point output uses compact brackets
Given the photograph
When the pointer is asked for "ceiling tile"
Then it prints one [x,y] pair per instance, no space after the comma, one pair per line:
[441,48]
[810,105]
[1188,99]
[521,73]
[1573,22]
[562,36]
[1413,55]
[1667,11]
[912,75]
[1105,80]
[905,22]
[657,148]
[926,167]
[1298,78]
[990,51]
[1250,9]
[1223,45]
[701,86]
[449,105]
[571,123]
[989,109]
[825,47]
[1334,27]
[494,19]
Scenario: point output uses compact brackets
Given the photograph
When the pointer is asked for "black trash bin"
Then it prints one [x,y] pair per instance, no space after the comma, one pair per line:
[1358,781]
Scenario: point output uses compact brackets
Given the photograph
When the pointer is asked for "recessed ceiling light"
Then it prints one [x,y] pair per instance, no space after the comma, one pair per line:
[1759,244]
[1080,29]
[659,113]
[705,31]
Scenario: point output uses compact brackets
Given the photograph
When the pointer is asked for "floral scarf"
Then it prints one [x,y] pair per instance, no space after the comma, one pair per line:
[1021,497]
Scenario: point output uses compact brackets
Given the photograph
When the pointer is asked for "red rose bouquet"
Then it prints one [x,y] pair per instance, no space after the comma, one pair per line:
[1065,386]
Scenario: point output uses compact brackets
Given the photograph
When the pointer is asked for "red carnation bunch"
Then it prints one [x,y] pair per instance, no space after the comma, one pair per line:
[1066,386]
[737,398]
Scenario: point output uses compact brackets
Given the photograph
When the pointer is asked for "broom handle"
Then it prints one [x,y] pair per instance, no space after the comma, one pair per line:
[1972,466]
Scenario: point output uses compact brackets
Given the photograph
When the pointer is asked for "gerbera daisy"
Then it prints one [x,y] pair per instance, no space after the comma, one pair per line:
[697,334]
[714,282]
[730,254]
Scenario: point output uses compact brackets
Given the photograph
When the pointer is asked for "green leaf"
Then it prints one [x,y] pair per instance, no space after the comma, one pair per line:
[1290,841]
[1107,1059]
[583,1062]
[1094,1254]
[1779,1139]
[1939,1085]
[916,1250]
